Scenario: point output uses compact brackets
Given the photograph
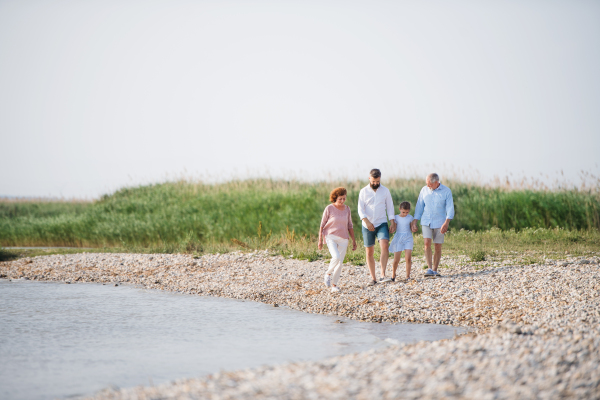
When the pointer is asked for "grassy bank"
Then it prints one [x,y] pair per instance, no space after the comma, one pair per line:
[196,217]
[527,246]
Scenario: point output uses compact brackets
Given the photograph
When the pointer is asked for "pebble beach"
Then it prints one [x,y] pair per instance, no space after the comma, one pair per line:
[535,328]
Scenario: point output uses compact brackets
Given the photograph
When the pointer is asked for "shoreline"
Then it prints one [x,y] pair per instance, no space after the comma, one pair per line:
[538,325]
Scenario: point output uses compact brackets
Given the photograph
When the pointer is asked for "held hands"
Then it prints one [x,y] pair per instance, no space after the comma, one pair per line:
[413,226]
[392,226]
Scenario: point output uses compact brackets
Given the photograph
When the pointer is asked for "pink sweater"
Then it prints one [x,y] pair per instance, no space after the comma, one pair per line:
[336,222]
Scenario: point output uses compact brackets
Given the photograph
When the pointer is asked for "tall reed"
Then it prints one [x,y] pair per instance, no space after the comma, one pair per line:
[195,213]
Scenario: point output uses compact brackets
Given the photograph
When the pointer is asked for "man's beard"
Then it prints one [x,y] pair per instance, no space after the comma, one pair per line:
[375,186]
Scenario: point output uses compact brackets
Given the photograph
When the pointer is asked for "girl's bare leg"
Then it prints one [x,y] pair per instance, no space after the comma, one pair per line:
[408,257]
[397,257]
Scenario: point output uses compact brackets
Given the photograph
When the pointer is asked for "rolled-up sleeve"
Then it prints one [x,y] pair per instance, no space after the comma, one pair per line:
[361,205]
[449,205]
[325,217]
[420,206]
[389,206]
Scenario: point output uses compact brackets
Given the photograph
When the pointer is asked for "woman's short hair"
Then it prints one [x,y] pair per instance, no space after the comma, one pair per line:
[335,193]
[405,205]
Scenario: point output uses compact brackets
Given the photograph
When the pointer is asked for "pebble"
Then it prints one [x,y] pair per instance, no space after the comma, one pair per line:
[535,327]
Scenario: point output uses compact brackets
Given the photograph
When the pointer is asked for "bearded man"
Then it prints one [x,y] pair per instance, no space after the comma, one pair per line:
[375,208]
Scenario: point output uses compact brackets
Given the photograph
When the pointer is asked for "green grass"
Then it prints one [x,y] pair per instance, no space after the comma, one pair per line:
[14,254]
[285,216]
[529,245]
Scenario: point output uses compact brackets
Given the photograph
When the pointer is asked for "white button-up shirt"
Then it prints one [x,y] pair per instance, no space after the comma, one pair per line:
[373,205]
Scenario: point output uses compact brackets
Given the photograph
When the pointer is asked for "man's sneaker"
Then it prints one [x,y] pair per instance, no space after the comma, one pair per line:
[327,280]
[335,289]
[393,279]
[429,272]
[436,274]
[384,279]
[372,283]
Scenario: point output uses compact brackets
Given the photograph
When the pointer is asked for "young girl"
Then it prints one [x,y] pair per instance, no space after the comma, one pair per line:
[403,239]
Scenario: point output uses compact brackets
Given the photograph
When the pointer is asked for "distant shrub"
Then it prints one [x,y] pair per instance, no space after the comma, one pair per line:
[477,256]
[7,255]
[309,256]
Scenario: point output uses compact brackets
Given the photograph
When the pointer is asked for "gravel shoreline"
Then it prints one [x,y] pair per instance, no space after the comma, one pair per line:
[537,325]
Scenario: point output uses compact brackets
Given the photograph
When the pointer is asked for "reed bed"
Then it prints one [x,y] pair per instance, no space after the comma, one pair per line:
[261,213]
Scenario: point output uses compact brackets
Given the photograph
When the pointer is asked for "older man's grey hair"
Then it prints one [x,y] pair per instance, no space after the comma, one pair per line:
[433,177]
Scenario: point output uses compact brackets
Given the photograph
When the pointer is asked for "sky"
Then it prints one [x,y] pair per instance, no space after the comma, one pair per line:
[100,94]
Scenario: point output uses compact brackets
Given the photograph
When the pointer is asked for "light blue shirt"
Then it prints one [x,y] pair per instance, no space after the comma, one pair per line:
[434,207]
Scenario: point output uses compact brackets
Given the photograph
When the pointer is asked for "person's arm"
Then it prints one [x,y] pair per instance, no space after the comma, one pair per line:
[418,211]
[361,211]
[351,229]
[389,207]
[351,233]
[449,212]
[320,242]
[361,206]
[323,222]
[449,206]
[420,206]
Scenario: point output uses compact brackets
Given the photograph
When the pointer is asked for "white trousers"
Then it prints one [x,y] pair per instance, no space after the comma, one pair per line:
[337,247]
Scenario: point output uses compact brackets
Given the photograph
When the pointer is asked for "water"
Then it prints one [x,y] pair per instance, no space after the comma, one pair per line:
[59,340]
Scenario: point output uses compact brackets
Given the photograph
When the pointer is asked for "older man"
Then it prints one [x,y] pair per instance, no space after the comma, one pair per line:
[435,209]
[374,202]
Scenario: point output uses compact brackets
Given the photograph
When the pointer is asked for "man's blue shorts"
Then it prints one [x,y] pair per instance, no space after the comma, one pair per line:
[381,232]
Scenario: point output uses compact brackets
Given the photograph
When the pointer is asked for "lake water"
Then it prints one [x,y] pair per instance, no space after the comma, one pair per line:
[59,340]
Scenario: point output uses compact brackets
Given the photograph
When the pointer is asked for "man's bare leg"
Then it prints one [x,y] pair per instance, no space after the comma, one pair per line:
[371,261]
[385,254]
[428,252]
[437,256]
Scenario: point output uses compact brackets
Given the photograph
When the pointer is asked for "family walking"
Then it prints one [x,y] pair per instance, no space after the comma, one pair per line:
[434,208]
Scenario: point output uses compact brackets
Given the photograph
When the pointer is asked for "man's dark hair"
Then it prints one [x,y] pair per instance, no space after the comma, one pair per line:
[375,173]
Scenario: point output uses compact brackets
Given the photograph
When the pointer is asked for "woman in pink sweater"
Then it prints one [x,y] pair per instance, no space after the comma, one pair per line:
[335,227]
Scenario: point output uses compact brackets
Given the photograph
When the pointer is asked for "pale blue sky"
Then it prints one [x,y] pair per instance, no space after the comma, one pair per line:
[98,94]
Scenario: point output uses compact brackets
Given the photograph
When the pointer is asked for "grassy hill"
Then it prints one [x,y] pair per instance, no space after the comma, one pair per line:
[197,213]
